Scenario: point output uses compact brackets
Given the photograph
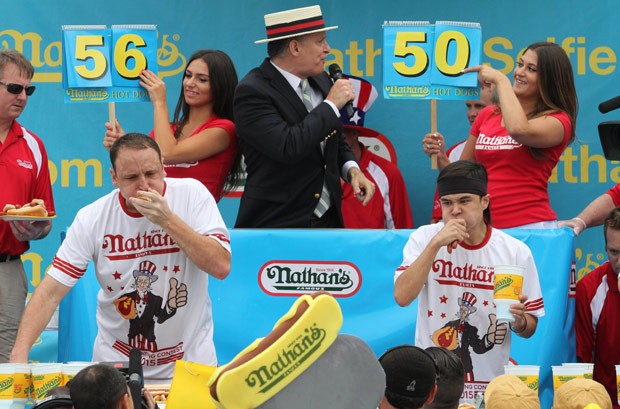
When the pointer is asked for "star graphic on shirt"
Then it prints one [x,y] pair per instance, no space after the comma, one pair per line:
[165,268]
[116,275]
[110,289]
[443,299]
[485,303]
[443,315]
[176,269]
[430,313]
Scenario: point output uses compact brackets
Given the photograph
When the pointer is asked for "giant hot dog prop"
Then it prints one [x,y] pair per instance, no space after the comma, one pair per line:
[269,364]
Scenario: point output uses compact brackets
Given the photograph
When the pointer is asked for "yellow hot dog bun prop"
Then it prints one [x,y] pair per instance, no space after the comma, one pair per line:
[269,364]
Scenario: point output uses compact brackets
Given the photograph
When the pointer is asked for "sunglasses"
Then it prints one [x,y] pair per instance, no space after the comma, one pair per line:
[17,89]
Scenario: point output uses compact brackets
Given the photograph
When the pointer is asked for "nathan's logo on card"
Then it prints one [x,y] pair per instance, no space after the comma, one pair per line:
[285,277]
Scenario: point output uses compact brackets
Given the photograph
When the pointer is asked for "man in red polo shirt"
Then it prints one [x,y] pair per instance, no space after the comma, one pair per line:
[597,306]
[25,176]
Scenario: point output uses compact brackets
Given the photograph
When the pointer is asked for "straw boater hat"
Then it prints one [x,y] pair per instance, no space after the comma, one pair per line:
[293,23]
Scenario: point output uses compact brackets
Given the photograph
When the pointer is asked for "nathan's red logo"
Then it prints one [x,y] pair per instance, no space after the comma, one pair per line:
[119,247]
[286,277]
[446,272]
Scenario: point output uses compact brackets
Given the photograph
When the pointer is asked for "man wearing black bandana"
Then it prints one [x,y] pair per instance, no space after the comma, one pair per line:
[451,264]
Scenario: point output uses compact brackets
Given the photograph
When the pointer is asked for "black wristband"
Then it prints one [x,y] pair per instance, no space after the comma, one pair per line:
[522,329]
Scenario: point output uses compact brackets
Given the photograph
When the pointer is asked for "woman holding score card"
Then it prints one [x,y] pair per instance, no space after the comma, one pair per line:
[201,142]
[520,139]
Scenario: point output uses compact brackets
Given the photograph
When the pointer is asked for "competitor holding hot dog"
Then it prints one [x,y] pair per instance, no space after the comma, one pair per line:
[449,265]
[154,242]
[25,176]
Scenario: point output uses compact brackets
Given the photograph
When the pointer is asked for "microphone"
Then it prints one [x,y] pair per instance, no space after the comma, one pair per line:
[135,381]
[336,73]
[609,105]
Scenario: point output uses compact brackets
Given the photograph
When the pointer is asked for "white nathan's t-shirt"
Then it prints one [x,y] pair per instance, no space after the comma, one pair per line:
[460,285]
[125,246]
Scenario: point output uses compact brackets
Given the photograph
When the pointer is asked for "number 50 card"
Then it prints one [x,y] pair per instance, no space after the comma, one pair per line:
[424,61]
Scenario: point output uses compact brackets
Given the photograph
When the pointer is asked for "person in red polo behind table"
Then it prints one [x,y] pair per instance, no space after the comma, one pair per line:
[596,307]
[389,207]
[25,176]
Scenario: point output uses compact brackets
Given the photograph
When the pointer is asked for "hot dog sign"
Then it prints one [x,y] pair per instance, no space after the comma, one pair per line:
[103,64]
[425,61]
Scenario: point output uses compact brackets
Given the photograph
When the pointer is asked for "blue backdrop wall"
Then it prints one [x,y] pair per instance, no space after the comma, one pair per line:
[73,132]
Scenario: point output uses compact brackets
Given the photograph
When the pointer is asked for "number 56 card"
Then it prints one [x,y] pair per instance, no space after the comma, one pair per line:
[104,65]
[424,61]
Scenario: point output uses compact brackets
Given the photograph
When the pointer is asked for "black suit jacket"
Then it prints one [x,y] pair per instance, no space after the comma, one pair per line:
[281,143]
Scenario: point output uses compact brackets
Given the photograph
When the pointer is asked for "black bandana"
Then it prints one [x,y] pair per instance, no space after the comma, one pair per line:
[454,185]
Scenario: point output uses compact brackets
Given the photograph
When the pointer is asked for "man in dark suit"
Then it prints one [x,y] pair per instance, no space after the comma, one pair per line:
[287,119]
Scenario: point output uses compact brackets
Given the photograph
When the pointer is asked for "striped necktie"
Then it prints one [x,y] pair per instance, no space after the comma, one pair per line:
[324,201]
[306,91]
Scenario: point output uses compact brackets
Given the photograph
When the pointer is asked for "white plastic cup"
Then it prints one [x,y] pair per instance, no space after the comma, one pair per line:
[507,286]
[22,383]
[69,370]
[563,374]
[7,374]
[529,374]
[588,368]
[44,378]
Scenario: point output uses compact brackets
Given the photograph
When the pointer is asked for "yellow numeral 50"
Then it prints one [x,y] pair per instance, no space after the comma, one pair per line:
[405,45]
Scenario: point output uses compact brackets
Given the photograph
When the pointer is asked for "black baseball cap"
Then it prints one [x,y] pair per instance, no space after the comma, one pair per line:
[410,371]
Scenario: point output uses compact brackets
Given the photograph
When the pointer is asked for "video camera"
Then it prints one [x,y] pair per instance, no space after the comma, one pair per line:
[133,375]
[609,132]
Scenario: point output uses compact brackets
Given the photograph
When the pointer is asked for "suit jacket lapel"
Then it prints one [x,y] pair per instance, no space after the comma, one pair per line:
[282,86]
[319,82]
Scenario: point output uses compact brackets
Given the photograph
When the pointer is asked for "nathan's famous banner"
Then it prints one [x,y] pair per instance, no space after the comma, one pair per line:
[264,282]
[73,132]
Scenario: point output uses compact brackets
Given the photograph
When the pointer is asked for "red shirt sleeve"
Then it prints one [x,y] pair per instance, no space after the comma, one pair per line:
[583,322]
[614,192]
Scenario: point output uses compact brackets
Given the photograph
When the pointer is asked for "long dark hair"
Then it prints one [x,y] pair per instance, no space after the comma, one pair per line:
[223,80]
[556,87]
[556,82]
